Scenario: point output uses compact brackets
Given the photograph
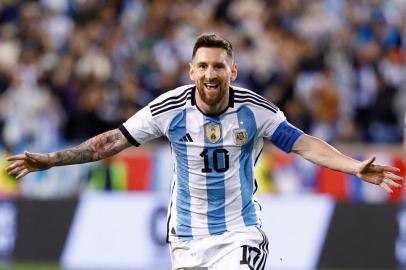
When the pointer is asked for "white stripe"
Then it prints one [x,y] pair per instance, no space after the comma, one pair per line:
[232,183]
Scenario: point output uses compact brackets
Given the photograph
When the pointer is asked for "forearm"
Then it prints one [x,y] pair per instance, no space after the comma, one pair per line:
[323,154]
[99,147]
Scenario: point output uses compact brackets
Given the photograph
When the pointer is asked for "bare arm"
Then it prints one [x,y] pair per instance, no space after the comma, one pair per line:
[99,147]
[321,153]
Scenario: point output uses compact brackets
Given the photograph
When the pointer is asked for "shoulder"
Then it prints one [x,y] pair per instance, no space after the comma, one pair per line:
[171,100]
[244,96]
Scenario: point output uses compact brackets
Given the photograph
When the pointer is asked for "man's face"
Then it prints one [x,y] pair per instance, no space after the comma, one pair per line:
[212,70]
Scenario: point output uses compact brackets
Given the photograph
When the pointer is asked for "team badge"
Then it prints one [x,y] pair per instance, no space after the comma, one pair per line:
[240,136]
[212,132]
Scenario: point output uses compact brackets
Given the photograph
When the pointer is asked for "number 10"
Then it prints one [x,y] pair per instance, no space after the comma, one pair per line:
[215,157]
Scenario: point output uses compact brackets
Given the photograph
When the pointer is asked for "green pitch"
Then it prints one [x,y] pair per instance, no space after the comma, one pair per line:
[31,266]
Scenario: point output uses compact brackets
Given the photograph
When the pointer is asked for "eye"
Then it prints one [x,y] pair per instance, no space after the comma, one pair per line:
[202,66]
[219,66]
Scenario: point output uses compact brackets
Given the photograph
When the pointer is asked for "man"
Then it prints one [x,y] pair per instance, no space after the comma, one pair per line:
[216,133]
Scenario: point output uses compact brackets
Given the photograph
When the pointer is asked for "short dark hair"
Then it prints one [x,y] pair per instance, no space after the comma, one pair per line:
[213,41]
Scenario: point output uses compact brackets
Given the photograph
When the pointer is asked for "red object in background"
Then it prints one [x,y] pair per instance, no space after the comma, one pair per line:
[397,194]
[139,171]
[333,183]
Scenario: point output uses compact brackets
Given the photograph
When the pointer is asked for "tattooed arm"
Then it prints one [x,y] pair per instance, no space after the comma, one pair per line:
[99,147]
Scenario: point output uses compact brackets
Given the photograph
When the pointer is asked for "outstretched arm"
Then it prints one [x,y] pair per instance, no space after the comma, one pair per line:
[99,147]
[321,153]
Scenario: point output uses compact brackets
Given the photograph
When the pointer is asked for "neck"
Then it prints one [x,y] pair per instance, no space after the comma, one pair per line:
[214,108]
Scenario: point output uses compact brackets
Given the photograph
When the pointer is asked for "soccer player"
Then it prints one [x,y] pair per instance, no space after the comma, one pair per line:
[216,132]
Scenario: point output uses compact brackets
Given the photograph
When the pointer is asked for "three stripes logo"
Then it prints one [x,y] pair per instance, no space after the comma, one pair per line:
[186,138]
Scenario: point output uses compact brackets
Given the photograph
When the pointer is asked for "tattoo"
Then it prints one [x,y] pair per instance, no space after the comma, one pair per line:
[99,147]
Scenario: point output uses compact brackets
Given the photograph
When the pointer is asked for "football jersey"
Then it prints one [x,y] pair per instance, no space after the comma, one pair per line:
[213,183]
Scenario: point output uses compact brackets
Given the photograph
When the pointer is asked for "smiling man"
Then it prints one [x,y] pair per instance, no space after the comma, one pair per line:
[216,133]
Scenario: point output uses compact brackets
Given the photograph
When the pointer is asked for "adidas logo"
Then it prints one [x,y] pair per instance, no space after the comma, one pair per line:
[186,138]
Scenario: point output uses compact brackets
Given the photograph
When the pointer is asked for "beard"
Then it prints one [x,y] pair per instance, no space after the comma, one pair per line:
[212,96]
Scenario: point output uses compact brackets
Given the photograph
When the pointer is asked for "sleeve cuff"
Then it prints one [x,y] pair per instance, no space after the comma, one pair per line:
[128,136]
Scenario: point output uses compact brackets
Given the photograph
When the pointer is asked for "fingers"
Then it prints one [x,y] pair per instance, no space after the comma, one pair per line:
[15,171]
[16,157]
[382,168]
[368,164]
[387,169]
[23,173]
[16,168]
[19,167]
[391,183]
[386,187]
[393,176]
[14,165]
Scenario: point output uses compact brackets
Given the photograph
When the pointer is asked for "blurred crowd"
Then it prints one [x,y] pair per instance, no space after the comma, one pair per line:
[70,69]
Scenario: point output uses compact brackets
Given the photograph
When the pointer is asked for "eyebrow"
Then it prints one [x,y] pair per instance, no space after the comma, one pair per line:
[214,64]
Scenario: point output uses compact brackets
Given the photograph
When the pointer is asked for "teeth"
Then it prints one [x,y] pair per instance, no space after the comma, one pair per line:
[211,85]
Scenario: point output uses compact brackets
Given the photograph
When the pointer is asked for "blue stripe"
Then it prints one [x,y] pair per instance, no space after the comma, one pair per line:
[216,194]
[177,130]
[246,119]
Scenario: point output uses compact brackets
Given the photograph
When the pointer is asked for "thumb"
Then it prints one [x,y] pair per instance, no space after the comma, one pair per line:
[371,160]
[368,162]
[32,156]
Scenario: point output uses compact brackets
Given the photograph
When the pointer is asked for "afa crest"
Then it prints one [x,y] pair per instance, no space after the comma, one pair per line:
[240,136]
[212,132]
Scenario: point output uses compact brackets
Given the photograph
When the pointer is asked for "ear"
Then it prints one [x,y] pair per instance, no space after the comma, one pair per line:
[234,72]
[191,72]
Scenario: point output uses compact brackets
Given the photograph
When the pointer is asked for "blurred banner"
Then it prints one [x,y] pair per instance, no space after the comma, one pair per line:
[361,236]
[128,231]
[8,230]
[118,231]
[42,227]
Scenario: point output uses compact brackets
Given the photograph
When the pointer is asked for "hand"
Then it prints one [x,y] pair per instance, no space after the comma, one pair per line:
[384,176]
[28,162]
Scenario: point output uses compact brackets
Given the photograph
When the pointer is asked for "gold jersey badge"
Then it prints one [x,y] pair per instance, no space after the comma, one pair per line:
[212,132]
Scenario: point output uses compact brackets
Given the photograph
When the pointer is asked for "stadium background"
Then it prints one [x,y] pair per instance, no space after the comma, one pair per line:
[70,69]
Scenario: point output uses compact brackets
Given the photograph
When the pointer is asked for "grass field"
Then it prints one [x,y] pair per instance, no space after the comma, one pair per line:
[31,266]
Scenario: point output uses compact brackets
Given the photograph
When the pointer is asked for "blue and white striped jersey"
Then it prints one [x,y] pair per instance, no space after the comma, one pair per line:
[213,183]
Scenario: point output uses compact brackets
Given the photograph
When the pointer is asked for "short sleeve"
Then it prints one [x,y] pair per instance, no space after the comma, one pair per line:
[141,127]
[271,121]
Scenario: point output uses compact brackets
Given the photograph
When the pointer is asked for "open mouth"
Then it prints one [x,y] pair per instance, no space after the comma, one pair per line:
[211,86]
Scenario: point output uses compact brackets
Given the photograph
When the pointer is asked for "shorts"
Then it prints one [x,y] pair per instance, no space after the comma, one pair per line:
[244,249]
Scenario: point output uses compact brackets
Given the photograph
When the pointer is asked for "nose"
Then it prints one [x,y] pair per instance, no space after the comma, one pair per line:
[211,73]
